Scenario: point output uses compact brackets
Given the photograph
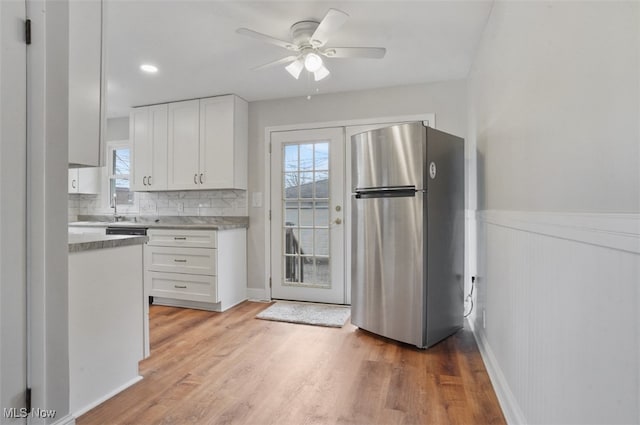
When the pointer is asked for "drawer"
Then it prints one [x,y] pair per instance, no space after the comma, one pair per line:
[184,286]
[181,260]
[185,238]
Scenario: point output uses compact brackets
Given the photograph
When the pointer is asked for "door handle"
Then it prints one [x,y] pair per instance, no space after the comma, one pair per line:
[201,181]
[195,178]
[144,180]
[149,180]
[338,220]
[179,261]
[180,286]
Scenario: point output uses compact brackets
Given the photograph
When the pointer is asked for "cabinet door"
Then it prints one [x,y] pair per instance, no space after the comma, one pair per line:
[140,135]
[73,180]
[216,142]
[157,177]
[148,134]
[89,180]
[183,142]
[85,82]
[223,142]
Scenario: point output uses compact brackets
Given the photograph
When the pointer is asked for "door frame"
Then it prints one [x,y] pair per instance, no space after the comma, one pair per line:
[430,118]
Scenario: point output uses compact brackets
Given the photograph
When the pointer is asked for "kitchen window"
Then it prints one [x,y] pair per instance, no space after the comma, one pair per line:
[119,176]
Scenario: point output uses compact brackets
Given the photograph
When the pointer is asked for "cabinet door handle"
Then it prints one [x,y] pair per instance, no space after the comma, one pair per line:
[195,178]
[149,180]
[179,261]
[180,286]
[144,181]
[201,181]
[179,238]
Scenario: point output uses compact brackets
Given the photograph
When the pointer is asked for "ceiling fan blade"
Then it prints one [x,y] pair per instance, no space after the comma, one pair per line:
[263,37]
[274,63]
[333,20]
[355,52]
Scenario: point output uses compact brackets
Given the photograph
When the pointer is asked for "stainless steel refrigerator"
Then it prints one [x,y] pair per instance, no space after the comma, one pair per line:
[407,233]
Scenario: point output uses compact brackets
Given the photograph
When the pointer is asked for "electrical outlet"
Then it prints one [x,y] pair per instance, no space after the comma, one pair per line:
[484,319]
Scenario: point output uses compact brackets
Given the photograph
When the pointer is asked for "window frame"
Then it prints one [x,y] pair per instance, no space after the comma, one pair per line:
[106,178]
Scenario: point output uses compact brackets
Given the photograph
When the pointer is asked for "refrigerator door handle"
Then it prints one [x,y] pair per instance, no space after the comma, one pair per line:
[386,192]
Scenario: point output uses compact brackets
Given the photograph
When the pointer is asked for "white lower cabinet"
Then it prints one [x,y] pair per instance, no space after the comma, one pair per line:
[204,269]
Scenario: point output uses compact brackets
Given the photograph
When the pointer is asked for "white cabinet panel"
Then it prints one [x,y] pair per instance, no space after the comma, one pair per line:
[182,238]
[188,287]
[148,133]
[187,268]
[223,142]
[183,142]
[85,180]
[85,82]
[182,260]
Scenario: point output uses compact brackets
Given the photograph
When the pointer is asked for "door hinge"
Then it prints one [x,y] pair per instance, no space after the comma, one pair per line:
[269,147]
[269,282]
[269,215]
[27,399]
[27,31]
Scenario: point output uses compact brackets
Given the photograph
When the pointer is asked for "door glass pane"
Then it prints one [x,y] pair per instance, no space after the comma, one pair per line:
[291,215]
[291,185]
[321,156]
[290,157]
[322,272]
[321,214]
[305,178]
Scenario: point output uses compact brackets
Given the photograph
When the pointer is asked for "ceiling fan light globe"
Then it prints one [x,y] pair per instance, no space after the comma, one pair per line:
[313,62]
[321,73]
[295,68]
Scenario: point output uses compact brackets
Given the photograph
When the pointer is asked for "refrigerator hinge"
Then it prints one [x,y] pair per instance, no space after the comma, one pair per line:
[27,31]
[27,399]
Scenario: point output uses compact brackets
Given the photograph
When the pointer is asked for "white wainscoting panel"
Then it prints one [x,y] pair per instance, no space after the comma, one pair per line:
[557,315]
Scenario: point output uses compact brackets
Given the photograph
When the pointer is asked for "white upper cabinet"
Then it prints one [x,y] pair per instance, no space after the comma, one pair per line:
[208,144]
[86,89]
[85,180]
[223,142]
[184,145]
[190,145]
[148,133]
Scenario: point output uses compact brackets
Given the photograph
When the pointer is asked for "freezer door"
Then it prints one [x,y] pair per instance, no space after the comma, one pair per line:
[387,275]
[389,157]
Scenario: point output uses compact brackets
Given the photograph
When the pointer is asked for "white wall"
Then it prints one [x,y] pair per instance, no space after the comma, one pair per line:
[553,109]
[47,155]
[13,193]
[446,99]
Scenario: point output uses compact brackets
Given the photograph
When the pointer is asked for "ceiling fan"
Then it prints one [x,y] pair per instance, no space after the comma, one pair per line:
[309,39]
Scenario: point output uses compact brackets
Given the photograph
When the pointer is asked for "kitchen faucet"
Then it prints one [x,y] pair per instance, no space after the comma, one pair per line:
[116,217]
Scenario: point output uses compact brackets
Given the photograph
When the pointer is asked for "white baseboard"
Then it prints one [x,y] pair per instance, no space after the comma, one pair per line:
[507,400]
[106,397]
[258,294]
[66,420]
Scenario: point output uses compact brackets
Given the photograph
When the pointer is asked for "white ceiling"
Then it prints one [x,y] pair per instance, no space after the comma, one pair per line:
[196,48]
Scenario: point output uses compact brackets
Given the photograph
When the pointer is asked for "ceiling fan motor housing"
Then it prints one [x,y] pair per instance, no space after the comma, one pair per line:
[302,31]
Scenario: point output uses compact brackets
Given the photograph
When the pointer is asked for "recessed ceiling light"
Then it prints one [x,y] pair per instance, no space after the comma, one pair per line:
[151,69]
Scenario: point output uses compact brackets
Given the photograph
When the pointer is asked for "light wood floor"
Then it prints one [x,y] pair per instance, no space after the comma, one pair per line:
[229,368]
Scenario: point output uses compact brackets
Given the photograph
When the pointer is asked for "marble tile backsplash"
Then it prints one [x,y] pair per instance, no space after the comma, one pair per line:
[188,203]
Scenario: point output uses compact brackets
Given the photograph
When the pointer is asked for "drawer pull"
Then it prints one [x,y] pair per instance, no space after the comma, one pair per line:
[180,286]
[179,261]
[180,238]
